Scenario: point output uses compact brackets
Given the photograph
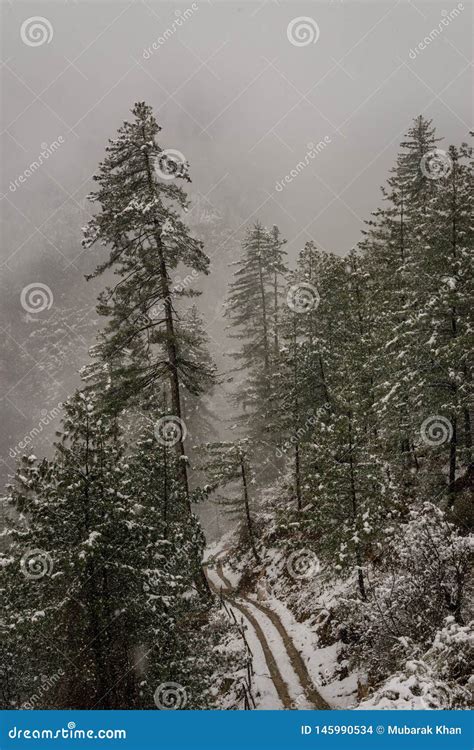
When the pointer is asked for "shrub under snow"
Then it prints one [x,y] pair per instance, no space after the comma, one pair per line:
[439,680]
[411,633]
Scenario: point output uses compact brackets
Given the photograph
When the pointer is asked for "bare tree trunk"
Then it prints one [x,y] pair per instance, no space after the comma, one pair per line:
[297,477]
[402,229]
[247,510]
[452,462]
[170,345]
[323,379]
[275,312]
[468,435]
[264,310]
[454,437]
[171,350]
[165,490]
[297,446]
[360,576]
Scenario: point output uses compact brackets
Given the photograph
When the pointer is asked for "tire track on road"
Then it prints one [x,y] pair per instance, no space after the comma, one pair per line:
[275,674]
[296,661]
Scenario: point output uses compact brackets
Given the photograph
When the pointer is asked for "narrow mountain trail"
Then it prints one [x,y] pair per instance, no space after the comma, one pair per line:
[275,674]
[286,668]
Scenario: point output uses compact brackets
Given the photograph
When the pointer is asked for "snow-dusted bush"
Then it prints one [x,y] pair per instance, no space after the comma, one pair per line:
[452,652]
[440,679]
[415,687]
[422,579]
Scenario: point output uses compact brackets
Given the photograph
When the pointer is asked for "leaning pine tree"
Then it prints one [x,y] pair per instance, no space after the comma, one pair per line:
[143,347]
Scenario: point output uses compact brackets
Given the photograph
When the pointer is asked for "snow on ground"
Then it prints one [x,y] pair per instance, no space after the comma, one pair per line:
[233,576]
[263,691]
[218,550]
[215,548]
[398,693]
[281,657]
[322,662]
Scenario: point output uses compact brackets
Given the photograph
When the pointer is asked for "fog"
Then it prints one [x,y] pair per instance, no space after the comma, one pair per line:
[243,104]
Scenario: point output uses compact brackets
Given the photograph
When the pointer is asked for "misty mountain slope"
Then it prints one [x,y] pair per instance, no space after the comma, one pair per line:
[331,434]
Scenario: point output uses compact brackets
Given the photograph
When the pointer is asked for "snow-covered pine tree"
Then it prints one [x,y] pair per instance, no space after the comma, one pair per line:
[227,464]
[329,418]
[310,323]
[99,574]
[75,562]
[351,487]
[252,309]
[444,326]
[390,249]
[277,262]
[140,220]
[302,381]
[291,419]
[197,415]
[421,364]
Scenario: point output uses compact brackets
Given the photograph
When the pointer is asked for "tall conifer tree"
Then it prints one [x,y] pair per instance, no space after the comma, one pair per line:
[140,220]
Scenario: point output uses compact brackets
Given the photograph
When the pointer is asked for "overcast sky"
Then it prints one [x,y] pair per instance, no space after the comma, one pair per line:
[236,97]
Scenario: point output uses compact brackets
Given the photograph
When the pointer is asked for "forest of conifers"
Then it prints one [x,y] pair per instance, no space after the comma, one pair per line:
[347,468]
